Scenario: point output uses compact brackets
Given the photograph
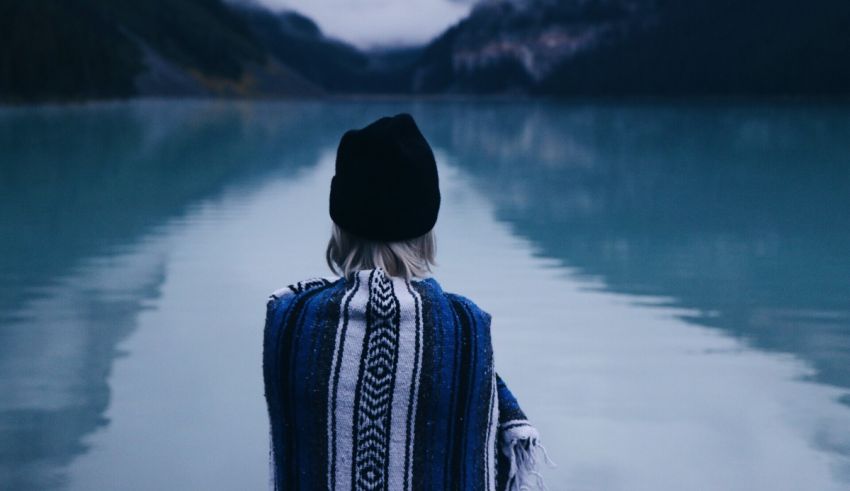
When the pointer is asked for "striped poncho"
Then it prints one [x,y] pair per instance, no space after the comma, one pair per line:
[377,383]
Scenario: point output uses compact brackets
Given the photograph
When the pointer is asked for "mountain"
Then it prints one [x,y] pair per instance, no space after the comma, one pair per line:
[84,49]
[641,47]
[65,49]
[297,42]
[515,45]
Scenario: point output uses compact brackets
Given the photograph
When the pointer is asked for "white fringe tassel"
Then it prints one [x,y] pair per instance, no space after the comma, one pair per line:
[521,444]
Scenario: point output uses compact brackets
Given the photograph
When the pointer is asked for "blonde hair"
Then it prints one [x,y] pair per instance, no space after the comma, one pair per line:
[406,259]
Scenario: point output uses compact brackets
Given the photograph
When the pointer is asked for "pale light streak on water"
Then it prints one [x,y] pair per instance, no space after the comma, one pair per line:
[132,312]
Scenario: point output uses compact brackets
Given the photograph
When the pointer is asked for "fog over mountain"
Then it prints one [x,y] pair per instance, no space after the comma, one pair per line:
[371,23]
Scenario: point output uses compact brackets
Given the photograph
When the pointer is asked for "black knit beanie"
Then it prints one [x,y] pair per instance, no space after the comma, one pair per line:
[386,186]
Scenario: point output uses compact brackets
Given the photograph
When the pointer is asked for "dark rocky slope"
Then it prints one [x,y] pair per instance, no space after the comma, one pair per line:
[85,49]
[642,47]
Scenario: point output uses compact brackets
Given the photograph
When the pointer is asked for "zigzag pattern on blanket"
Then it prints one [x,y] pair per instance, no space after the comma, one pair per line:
[373,401]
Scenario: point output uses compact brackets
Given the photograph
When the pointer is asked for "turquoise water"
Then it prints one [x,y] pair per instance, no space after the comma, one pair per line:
[670,283]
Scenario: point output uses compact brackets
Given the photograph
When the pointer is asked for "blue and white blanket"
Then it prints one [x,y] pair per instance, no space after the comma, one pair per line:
[378,383]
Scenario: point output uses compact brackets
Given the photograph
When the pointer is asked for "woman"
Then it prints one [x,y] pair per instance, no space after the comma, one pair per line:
[380,379]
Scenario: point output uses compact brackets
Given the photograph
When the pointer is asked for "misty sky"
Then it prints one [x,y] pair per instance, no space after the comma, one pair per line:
[379,22]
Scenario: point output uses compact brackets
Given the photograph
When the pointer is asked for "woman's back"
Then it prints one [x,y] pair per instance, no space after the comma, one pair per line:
[377,382]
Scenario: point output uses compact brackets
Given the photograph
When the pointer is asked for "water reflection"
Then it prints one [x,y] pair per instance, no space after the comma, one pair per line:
[648,249]
[55,361]
[82,189]
[738,212]
[732,217]
[80,181]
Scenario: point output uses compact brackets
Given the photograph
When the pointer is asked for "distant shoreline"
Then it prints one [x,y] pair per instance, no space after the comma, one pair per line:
[441,98]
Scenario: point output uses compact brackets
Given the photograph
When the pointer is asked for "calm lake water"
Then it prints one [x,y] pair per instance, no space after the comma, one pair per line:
[669,283]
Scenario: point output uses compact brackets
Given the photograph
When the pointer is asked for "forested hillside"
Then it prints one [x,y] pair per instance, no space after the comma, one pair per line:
[89,49]
[96,48]
[652,47]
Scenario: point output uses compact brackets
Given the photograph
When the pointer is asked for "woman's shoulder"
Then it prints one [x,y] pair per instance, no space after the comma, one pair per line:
[300,287]
[456,300]
[469,305]
[287,294]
